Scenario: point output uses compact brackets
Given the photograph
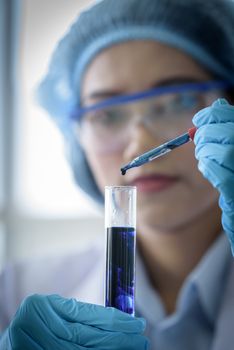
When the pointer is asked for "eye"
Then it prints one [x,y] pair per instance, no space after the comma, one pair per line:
[184,102]
[105,118]
[157,110]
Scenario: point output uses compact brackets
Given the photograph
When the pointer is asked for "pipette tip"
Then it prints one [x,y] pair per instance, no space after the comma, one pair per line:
[123,170]
[130,165]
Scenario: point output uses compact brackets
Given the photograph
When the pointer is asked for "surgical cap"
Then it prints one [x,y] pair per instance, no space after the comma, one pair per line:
[202,29]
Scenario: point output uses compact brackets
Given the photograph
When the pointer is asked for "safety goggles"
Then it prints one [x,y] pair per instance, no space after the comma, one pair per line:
[163,111]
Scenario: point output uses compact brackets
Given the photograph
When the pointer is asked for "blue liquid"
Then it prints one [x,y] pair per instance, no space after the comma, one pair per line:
[120,268]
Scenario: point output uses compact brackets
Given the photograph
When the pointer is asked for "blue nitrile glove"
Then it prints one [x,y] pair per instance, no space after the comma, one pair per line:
[54,323]
[214,142]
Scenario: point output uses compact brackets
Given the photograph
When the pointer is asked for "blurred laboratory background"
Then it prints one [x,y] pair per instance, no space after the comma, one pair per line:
[42,212]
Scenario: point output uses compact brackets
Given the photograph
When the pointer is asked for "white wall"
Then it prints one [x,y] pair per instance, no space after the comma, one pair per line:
[33,237]
[48,214]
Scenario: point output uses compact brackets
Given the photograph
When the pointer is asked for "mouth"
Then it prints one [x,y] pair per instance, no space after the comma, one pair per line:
[154,183]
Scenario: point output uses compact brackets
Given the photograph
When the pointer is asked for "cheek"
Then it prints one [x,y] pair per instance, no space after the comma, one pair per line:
[105,168]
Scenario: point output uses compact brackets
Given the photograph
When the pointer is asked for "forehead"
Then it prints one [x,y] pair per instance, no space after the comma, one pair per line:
[136,65]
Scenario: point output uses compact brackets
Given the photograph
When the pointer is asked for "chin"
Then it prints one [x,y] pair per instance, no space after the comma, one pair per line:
[172,218]
[161,223]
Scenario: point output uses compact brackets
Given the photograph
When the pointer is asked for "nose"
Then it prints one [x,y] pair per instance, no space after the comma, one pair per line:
[140,141]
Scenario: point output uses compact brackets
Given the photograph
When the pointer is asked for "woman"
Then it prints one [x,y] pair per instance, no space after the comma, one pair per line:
[162,56]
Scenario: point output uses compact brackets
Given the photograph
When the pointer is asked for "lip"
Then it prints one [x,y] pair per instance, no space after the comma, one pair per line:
[154,183]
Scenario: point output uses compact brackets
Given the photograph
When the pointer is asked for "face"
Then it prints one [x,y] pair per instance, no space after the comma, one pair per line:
[171,191]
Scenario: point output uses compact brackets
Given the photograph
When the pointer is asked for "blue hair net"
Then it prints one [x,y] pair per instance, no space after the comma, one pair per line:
[202,29]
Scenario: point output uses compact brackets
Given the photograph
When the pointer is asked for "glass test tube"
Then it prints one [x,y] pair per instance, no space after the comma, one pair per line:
[120,224]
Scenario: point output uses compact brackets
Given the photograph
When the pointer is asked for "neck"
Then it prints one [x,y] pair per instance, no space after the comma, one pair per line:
[170,256]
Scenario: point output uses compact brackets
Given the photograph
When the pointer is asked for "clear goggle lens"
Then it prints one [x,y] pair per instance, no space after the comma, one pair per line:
[110,128]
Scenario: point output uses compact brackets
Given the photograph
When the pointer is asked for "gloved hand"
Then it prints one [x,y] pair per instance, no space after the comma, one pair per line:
[214,142]
[54,323]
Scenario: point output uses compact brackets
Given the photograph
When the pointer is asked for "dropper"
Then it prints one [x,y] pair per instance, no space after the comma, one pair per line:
[160,150]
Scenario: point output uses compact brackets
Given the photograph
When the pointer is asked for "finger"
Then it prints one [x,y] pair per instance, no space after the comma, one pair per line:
[24,340]
[221,178]
[221,154]
[219,111]
[92,337]
[228,219]
[96,315]
[222,133]
[50,331]
[21,339]
[37,319]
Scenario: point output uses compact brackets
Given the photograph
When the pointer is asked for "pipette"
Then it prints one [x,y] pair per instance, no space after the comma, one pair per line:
[160,150]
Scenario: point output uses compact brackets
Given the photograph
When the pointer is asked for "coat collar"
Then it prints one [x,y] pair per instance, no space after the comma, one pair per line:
[224,335]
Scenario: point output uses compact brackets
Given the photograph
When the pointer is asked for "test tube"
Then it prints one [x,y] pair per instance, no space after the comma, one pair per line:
[120,224]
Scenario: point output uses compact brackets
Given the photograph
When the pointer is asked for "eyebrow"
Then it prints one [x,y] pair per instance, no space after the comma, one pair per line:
[103,94]
[175,81]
